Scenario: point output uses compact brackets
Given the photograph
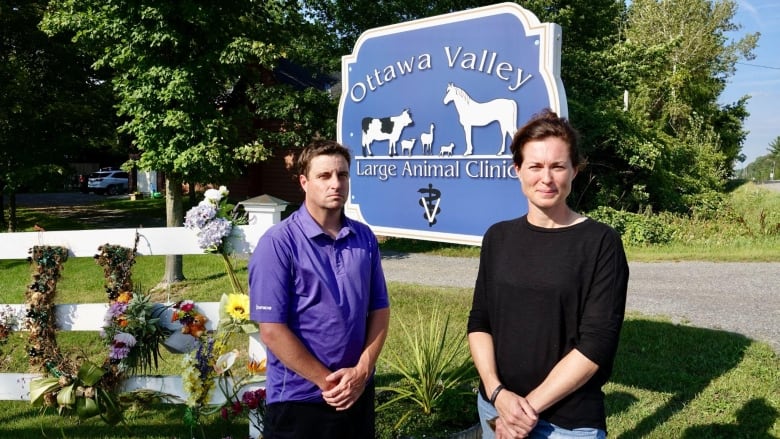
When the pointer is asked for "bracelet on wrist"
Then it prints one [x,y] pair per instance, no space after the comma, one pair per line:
[493,397]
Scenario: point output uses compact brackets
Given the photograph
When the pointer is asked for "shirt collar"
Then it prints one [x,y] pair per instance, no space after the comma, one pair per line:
[311,229]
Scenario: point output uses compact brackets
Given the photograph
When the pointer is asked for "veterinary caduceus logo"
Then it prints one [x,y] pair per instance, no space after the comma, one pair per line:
[430,200]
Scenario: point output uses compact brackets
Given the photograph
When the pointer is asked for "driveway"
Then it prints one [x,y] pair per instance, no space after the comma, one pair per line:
[736,297]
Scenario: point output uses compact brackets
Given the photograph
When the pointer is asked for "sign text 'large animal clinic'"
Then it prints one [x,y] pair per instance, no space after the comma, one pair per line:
[428,109]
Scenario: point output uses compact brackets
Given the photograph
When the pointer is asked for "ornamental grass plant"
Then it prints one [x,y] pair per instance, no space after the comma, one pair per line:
[434,366]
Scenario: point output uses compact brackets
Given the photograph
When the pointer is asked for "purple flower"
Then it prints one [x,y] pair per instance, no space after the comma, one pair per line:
[200,215]
[211,235]
[115,310]
[118,352]
[203,358]
[121,346]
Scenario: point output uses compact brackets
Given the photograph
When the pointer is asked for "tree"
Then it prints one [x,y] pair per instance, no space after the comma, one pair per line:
[679,96]
[344,22]
[191,78]
[774,147]
[52,105]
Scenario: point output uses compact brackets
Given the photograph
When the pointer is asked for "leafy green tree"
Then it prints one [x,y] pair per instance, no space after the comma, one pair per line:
[596,70]
[762,168]
[774,147]
[346,21]
[685,41]
[52,105]
[193,77]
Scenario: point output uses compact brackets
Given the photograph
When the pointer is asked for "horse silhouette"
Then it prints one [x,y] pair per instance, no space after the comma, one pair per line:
[472,113]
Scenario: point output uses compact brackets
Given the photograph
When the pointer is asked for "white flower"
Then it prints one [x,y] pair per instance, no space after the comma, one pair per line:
[213,195]
[225,362]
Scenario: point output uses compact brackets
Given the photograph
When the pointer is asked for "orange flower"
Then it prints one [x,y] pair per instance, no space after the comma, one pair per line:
[124,297]
[256,367]
[122,321]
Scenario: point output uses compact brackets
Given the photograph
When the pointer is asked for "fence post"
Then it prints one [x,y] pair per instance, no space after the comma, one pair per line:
[264,210]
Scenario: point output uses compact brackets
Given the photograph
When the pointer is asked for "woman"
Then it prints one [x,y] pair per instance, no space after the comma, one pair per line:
[548,302]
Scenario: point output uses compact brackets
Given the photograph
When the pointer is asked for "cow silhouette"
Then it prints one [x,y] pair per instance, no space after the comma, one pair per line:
[385,128]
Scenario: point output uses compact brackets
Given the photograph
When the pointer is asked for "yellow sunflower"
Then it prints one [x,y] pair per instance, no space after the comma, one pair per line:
[238,306]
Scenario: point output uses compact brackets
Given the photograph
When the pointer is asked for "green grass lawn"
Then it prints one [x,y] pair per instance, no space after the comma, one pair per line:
[670,381]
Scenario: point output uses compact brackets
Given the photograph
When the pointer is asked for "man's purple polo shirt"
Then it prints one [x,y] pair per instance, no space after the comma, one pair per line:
[322,288]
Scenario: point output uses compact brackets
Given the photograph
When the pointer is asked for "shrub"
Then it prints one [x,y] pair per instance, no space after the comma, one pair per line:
[636,229]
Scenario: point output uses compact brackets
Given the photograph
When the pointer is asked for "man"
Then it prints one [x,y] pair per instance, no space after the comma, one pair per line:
[318,290]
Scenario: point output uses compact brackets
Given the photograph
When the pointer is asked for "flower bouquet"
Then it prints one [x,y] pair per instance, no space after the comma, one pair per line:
[133,332]
[213,219]
[208,365]
[238,400]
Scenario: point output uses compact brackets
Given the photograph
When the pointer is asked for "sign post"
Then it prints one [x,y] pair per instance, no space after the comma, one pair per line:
[429,108]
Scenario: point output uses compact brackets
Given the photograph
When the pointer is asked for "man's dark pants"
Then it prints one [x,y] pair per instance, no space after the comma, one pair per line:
[301,420]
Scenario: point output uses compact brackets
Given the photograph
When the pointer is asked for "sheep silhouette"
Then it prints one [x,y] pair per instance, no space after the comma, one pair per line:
[446,149]
[407,145]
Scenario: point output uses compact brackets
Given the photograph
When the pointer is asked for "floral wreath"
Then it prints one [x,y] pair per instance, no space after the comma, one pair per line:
[131,334]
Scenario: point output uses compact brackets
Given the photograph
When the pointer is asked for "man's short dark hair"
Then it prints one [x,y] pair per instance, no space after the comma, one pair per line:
[317,148]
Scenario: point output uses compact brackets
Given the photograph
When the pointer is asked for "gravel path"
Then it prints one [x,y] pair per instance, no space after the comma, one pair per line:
[736,297]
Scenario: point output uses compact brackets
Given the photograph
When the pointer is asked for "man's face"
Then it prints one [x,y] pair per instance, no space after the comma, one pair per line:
[327,182]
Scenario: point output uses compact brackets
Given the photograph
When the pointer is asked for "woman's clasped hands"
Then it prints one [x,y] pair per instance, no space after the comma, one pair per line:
[516,416]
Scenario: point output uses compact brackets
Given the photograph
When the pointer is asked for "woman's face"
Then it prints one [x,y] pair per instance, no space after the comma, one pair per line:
[546,173]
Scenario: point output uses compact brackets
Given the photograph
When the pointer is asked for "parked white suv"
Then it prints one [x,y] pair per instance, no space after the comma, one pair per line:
[108,181]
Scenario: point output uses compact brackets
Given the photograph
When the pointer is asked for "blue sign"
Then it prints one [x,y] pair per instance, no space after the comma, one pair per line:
[428,109]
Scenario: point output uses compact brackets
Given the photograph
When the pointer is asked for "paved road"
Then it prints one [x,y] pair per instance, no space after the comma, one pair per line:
[736,297]
[773,185]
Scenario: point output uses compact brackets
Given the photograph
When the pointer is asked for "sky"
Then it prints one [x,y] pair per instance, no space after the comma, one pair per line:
[759,78]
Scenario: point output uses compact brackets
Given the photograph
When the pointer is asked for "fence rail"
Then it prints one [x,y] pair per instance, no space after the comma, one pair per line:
[262,212]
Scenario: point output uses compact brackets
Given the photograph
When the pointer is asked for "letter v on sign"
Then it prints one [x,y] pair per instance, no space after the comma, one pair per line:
[431,215]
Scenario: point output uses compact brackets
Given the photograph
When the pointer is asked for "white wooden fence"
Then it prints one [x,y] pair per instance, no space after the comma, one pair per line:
[263,212]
